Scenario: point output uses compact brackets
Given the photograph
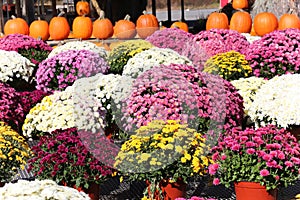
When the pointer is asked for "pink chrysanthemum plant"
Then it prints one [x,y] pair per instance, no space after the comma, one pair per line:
[267,155]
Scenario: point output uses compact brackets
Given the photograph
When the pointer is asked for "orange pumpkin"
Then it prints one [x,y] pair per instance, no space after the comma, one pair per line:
[102,27]
[265,22]
[241,21]
[82,8]
[288,21]
[16,25]
[82,27]
[240,4]
[180,25]
[124,28]
[217,20]
[59,28]
[39,29]
[146,25]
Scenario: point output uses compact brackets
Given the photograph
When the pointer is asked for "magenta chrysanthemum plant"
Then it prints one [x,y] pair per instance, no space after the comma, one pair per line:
[63,156]
[11,110]
[32,49]
[275,54]
[172,38]
[268,155]
[178,92]
[208,43]
[61,70]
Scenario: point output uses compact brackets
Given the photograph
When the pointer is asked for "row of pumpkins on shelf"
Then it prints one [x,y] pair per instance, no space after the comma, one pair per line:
[84,28]
[242,22]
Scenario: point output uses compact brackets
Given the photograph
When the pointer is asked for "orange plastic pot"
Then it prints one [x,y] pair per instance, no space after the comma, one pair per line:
[252,190]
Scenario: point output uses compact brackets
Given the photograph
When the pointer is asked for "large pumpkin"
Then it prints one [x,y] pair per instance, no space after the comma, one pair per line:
[16,25]
[39,29]
[180,25]
[241,21]
[217,20]
[124,28]
[240,4]
[59,28]
[146,25]
[288,21]
[264,23]
[82,8]
[102,27]
[82,27]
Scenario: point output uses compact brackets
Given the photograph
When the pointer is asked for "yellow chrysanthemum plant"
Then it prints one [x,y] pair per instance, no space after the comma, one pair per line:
[163,150]
[230,66]
[14,153]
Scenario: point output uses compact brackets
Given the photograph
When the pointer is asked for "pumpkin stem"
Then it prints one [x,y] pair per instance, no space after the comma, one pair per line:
[98,9]
[61,13]
[127,17]
[39,18]
[144,12]
[13,17]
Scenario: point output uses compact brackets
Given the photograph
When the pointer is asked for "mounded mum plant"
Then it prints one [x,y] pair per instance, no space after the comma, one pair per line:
[32,49]
[172,38]
[267,155]
[61,70]
[275,54]
[14,152]
[121,53]
[211,42]
[231,65]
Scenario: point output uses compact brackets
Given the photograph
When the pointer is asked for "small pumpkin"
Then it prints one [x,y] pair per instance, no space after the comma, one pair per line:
[82,27]
[180,25]
[102,27]
[146,25]
[124,28]
[16,25]
[288,21]
[39,29]
[59,28]
[82,8]
[240,4]
[217,20]
[241,21]
[264,23]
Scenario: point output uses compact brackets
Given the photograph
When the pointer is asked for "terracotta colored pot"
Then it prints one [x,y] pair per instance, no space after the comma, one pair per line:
[170,190]
[252,190]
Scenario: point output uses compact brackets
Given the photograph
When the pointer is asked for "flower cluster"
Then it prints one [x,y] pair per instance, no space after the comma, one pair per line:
[61,70]
[247,88]
[121,53]
[267,155]
[79,45]
[276,102]
[251,38]
[63,157]
[195,198]
[175,39]
[14,67]
[14,152]
[177,91]
[32,49]
[40,190]
[276,53]
[163,149]
[150,58]
[231,65]
[11,110]
[211,42]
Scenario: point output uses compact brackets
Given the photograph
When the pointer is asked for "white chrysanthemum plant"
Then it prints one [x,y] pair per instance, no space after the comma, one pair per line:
[150,58]
[14,66]
[247,88]
[277,102]
[251,38]
[79,45]
[40,190]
